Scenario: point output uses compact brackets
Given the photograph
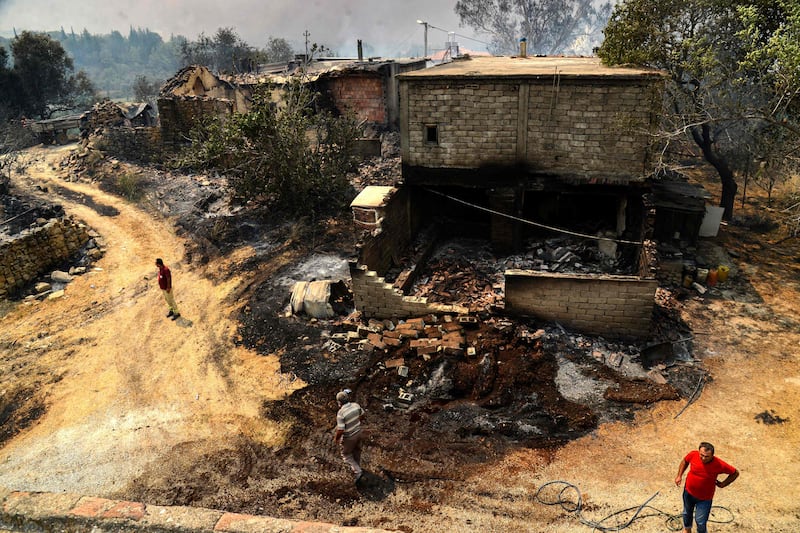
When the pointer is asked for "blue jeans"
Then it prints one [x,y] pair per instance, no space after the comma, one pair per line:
[699,508]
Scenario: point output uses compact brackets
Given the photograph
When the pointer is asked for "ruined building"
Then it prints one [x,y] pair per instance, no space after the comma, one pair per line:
[368,88]
[508,147]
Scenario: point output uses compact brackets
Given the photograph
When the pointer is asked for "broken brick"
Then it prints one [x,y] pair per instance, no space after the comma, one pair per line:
[453,350]
[453,339]
[406,331]
[429,348]
[394,363]
[448,327]
[416,323]
[376,340]
[390,341]
[433,332]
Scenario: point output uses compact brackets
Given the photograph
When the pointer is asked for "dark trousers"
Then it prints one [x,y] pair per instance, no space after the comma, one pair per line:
[699,508]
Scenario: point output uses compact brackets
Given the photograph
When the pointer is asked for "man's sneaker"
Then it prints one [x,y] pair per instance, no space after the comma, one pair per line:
[175,317]
[170,313]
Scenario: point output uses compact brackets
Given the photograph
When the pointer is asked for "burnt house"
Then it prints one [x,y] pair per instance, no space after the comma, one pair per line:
[367,88]
[556,140]
[193,93]
[509,147]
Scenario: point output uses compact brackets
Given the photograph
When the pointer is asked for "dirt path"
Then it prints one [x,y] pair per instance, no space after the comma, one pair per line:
[129,394]
[123,384]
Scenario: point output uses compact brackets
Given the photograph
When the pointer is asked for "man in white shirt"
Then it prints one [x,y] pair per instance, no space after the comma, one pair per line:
[348,432]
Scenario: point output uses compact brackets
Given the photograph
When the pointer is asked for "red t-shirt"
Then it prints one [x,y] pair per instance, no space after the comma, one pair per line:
[701,481]
[164,278]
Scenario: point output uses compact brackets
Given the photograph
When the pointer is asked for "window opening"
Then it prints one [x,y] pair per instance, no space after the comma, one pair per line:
[432,134]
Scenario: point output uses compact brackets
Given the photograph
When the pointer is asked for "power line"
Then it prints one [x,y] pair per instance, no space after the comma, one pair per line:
[456,34]
[537,224]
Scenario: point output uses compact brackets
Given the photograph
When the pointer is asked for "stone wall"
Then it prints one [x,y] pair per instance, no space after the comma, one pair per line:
[179,114]
[140,145]
[619,306]
[35,251]
[578,127]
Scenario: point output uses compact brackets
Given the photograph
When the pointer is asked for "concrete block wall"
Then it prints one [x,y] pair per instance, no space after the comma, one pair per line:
[618,306]
[380,249]
[375,298]
[37,250]
[573,126]
[591,127]
[363,95]
[477,123]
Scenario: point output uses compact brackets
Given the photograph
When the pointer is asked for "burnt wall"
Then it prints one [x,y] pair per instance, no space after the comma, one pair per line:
[141,145]
[362,95]
[619,306]
[374,298]
[379,249]
[180,114]
[35,251]
[588,128]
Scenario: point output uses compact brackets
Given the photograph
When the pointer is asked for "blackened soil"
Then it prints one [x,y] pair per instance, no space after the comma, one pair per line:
[19,408]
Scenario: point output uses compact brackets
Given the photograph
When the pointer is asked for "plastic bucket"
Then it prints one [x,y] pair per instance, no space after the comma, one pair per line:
[722,273]
[702,274]
[711,280]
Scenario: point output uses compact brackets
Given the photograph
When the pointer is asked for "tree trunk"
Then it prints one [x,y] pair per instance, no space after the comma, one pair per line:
[729,187]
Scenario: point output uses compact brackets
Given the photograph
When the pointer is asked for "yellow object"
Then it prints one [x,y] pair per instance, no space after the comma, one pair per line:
[722,273]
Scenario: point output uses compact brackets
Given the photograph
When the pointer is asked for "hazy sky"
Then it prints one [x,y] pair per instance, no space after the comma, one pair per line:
[386,26]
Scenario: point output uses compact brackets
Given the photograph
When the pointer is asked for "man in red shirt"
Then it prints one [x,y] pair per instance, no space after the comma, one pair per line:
[701,482]
[165,283]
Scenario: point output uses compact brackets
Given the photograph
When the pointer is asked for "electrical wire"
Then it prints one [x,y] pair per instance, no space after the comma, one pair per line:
[575,506]
[537,224]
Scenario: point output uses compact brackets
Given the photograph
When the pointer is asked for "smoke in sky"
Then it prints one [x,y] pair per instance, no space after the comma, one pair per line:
[386,27]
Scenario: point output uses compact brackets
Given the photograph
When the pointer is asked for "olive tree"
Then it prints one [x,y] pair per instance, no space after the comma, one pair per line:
[549,26]
[733,75]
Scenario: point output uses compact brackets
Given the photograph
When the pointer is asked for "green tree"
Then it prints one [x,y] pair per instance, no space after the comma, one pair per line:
[144,89]
[9,89]
[278,50]
[45,73]
[733,70]
[224,52]
[549,26]
[286,156]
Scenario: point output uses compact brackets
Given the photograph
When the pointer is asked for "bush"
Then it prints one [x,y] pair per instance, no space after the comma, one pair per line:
[129,186]
[284,155]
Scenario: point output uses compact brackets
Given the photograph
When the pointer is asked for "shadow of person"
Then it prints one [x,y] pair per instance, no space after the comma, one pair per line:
[183,322]
[374,487]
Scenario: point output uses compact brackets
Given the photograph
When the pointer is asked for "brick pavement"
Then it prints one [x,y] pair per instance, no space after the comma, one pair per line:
[50,512]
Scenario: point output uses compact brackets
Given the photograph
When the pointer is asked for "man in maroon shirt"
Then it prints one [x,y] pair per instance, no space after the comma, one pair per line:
[701,482]
[165,283]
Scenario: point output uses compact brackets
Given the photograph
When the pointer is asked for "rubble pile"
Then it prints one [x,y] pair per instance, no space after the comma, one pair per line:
[426,336]
[466,272]
[105,114]
[376,171]
[566,254]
